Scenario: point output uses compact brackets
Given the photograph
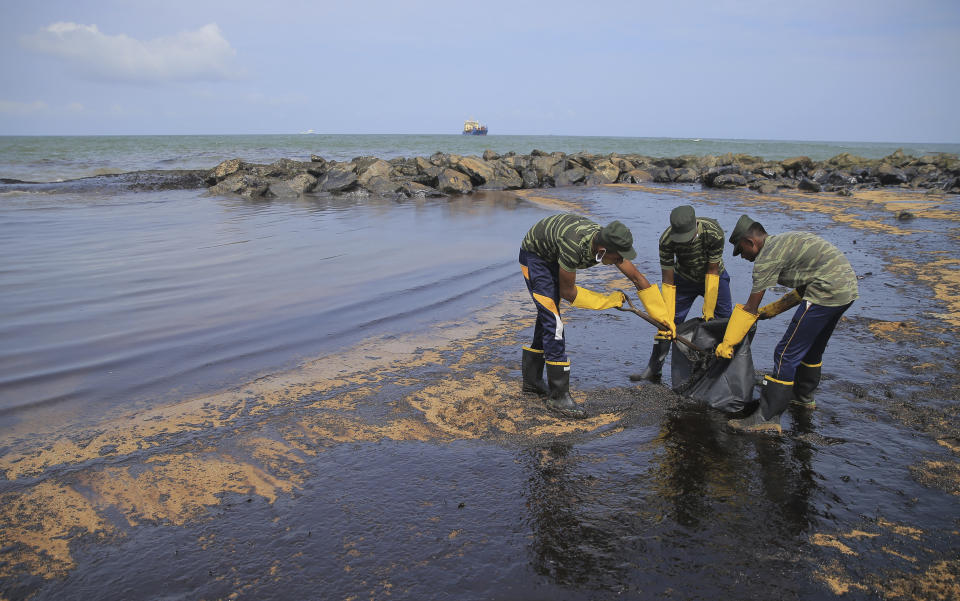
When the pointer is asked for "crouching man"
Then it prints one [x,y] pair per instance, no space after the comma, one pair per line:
[825,286]
[550,255]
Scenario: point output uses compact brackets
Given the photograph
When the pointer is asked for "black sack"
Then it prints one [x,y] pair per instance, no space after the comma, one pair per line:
[724,384]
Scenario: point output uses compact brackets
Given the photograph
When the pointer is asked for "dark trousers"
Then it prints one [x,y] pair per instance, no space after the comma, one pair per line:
[689,290]
[805,339]
[543,282]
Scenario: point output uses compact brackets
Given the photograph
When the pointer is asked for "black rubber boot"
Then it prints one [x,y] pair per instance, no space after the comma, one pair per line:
[559,399]
[533,373]
[661,348]
[775,396]
[806,382]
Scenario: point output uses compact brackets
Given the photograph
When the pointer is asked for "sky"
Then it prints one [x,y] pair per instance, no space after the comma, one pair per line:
[843,70]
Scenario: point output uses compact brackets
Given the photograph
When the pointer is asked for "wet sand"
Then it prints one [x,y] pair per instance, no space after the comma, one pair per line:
[409,466]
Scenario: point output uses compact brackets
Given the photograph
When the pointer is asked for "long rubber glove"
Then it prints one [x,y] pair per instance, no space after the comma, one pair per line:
[588,299]
[711,287]
[669,294]
[653,302]
[787,302]
[740,323]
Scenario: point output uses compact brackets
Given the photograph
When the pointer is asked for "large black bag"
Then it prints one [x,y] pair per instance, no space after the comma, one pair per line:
[724,384]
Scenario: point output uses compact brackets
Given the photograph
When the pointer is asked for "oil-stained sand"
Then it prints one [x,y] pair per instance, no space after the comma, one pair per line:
[411,467]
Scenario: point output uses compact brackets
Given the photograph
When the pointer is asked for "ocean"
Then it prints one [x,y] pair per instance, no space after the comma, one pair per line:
[113,298]
[56,158]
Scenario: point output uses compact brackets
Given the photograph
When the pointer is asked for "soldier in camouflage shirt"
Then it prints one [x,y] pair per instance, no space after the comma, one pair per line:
[550,255]
[691,261]
[825,286]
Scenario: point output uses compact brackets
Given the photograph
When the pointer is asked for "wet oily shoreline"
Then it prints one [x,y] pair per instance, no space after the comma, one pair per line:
[411,467]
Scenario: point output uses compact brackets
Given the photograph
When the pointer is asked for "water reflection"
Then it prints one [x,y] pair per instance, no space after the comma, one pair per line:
[622,520]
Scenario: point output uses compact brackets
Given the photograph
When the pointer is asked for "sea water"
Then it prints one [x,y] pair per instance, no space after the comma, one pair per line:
[113,297]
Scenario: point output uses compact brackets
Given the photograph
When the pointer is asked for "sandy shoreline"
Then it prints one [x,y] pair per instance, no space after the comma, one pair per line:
[181,466]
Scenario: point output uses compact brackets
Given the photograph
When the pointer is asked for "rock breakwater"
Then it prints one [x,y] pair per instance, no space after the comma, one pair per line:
[445,174]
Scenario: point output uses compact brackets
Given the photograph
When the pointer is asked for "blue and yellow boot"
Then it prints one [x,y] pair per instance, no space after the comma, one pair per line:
[775,396]
[533,372]
[805,383]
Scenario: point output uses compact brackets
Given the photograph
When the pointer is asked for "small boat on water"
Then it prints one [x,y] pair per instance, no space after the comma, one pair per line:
[474,128]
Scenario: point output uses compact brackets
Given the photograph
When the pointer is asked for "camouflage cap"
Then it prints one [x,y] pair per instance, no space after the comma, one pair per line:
[617,237]
[743,224]
[683,224]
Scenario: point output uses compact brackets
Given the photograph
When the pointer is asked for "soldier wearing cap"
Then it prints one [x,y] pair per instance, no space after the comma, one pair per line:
[825,286]
[691,262]
[550,255]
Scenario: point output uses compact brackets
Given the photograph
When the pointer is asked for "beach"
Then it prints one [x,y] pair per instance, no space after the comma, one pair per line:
[224,397]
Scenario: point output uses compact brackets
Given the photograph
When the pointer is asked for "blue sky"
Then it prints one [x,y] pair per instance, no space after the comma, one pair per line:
[816,70]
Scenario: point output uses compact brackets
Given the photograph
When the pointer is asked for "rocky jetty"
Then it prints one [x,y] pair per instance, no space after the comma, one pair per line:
[447,174]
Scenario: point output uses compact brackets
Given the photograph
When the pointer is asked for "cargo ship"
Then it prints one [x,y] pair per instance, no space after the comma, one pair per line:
[474,128]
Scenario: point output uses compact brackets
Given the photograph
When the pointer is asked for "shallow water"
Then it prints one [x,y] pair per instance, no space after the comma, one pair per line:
[408,466]
[135,298]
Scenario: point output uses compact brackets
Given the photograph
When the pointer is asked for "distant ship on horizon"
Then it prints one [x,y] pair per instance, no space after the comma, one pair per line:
[474,128]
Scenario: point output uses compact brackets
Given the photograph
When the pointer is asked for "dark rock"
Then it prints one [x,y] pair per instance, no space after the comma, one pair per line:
[766,188]
[315,158]
[845,192]
[606,171]
[338,179]
[905,216]
[451,181]
[889,175]
[729,180]
[302,184]
[224,170]
[686,175]
[489,155]
[797,164]
[636,176]
[570,177]
[382,186]
[530,179]
[808,185]
[243,184]
[369,170]
[504,177]
[415,190]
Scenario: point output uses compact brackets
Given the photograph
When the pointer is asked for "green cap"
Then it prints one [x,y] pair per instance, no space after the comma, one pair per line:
[743,224]
[683,224]
[617,237]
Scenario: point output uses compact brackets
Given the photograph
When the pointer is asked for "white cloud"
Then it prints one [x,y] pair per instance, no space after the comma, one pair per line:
[11,107]
[203,54]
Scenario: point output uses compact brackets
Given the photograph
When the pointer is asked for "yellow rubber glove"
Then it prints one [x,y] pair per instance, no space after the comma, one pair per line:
[787,302]
[711,287]
[653,302]
[669,294]
[588,299]
[740,323]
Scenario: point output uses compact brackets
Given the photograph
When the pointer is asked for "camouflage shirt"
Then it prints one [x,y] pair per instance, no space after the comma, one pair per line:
[565,238]
[806,261]
[692,257]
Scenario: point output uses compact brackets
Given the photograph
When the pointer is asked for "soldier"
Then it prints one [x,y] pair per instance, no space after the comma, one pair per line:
[550,255]
[691,262]
[825,286]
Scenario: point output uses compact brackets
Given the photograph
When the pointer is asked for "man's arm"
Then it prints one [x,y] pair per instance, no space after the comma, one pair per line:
[568,285]
[666,276]
[712,269]
[630,271]
[753,303]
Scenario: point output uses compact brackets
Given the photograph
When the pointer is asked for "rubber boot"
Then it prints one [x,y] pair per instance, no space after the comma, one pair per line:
[559,399]
[533,373]
[661,348]
[807,380]
[775,396]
